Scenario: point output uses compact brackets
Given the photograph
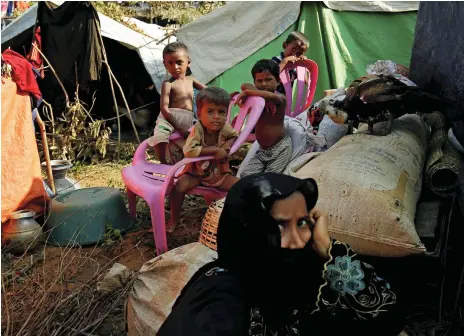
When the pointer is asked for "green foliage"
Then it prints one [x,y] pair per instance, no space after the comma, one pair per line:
[117,12]
[183,12]
[111,235]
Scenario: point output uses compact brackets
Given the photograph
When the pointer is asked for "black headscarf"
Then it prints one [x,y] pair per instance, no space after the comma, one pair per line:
[249,244]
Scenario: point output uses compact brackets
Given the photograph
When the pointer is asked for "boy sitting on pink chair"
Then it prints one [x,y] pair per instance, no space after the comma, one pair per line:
[176,99]
[211,135]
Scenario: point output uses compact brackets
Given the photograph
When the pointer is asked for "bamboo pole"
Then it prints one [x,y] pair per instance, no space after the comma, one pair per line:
[43,134]
[112,77]
[54,72]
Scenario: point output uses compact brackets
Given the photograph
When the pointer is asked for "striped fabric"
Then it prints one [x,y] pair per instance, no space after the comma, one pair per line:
[274,159]
[34,56]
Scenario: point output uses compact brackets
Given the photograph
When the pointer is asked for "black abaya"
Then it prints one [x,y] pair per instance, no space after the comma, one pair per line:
[250,290]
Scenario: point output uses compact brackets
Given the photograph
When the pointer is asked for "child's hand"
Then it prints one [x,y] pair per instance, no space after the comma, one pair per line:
[303,58]
[320,232]
[234,94]
[226,147]
[291,59]
[241,99]
[221,154]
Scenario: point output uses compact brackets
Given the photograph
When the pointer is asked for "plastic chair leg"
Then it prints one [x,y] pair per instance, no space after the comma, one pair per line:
[132,200]
[159,228]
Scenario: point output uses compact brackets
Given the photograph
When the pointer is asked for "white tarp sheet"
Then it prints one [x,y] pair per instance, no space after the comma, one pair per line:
[225,37]
[150,52]
[373,6]
[230,34]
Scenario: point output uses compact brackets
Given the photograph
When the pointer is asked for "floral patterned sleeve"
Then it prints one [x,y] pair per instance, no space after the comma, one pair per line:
[351,287]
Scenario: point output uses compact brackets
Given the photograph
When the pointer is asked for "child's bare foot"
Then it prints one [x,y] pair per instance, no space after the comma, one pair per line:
[171,227]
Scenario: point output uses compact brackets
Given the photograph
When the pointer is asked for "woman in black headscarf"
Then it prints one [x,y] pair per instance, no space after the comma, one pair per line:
[279,273]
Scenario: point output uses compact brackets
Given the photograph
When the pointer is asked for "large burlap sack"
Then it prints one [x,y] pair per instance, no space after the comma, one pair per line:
[159,284]
[370,186]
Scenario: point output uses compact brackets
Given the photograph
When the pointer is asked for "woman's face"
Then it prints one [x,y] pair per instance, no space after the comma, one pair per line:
[292,217]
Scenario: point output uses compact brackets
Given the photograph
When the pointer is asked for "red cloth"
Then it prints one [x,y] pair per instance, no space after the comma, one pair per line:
[315,117]
[22,74]
[34,56]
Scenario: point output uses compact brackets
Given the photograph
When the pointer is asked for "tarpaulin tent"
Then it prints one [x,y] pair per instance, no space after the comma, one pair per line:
[344,38]
[145,44]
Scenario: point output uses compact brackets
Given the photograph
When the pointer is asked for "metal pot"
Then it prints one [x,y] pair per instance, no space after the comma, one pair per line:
[21,232]
[63,183]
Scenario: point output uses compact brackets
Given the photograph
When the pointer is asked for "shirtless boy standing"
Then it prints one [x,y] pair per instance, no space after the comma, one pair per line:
[176,99]
[276,147]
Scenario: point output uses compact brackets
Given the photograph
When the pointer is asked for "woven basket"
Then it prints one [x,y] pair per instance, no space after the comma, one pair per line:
[210,224]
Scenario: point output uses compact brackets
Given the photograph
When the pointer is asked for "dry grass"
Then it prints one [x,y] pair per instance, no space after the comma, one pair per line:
[53,291]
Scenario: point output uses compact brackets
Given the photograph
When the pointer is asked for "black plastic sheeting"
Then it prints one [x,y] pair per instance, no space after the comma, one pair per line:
[437,61]
[71,43]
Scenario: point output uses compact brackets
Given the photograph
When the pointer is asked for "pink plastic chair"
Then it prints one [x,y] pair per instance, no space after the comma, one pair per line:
[302,67]
[153,182]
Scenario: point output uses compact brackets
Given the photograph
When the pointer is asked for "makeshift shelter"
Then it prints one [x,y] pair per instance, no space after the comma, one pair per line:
[135,57]
[146,45]
[344,38]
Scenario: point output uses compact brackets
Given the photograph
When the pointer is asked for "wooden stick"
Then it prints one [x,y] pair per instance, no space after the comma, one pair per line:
[125,102]
[46,152]
[7,309]
[111,75]
[54,72]
[52,118]
[166,36]
[117,113]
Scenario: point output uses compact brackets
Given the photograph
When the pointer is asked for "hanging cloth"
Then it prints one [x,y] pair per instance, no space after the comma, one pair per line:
[22,74]
[34,56]
[69,40]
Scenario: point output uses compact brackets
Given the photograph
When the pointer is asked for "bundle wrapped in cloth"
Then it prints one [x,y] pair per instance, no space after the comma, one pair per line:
[444,161]
[370,186]
[158,285]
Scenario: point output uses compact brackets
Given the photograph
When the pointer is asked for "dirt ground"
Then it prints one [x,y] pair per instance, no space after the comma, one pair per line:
[109,175]
[136,248]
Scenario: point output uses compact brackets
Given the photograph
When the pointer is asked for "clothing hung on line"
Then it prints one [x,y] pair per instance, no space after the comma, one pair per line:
[22,74]
[255,287]
[70,39]
[212,172]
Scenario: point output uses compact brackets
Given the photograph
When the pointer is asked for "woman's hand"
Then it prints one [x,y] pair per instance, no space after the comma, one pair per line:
[320,234]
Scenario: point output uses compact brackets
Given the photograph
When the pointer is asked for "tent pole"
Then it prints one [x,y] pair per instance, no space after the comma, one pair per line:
[43,134]
[112,77]
[54,72]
